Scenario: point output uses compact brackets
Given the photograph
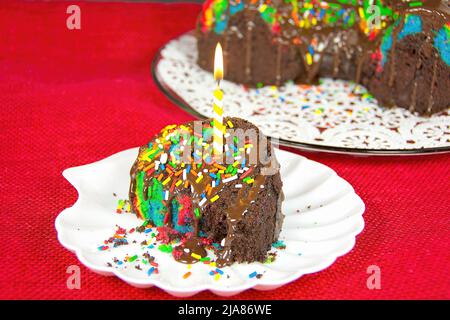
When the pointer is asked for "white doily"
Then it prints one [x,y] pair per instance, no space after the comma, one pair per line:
[335,113]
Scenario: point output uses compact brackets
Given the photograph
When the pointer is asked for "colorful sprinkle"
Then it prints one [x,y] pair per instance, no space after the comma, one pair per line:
[133,258]
[196,256]
[165,248]
[151,271]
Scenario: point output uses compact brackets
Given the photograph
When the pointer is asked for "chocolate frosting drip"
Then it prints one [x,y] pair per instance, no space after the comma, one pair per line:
[234,214]
[191,246]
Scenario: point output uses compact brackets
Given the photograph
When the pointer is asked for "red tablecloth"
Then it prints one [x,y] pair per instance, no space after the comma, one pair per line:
[73,97]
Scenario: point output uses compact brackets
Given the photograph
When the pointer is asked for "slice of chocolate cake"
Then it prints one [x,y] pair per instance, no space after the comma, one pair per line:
[232,201]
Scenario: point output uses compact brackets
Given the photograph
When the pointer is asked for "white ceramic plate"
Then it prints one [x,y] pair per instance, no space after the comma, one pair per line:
[323,217]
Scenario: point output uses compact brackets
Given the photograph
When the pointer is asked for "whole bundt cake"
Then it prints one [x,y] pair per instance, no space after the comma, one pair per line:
[399,50]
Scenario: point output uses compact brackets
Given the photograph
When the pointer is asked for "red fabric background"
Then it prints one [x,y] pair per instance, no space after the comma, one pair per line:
[72,97]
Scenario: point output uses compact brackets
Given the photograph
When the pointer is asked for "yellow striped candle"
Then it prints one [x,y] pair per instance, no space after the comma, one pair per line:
[218,105]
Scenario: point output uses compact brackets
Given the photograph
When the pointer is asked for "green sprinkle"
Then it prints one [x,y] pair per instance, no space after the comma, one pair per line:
[269,259]
[172,165]
[415,4]
[165,248]
[132,258]
[197,212]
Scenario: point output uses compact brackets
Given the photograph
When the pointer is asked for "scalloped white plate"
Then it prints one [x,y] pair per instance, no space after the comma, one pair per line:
[323,217]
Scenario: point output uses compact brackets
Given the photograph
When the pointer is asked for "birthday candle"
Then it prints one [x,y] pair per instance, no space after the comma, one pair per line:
[218,105]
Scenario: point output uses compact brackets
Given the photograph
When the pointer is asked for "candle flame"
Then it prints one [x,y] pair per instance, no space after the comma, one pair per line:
[218,63]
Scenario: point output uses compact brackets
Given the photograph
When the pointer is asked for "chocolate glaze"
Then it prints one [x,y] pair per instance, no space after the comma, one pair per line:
[248,47]
[234,215]
[190,246]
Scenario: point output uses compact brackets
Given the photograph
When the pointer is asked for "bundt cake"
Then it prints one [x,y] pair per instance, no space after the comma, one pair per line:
[234,205]
[399,50]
